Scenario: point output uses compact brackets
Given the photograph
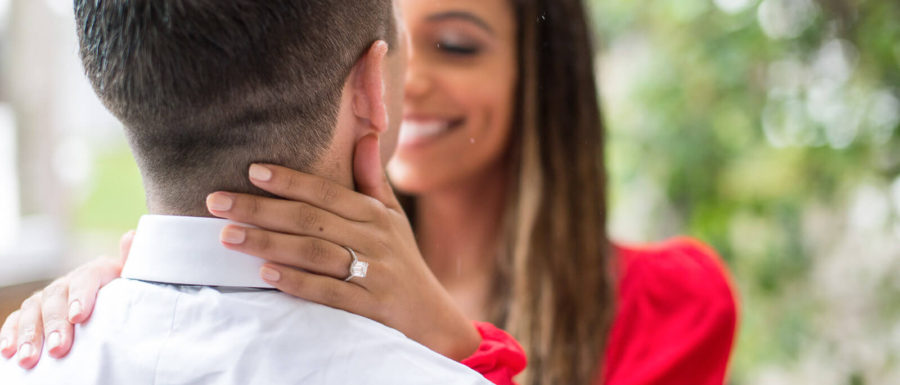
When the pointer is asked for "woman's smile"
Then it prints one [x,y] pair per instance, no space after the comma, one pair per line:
[419,131]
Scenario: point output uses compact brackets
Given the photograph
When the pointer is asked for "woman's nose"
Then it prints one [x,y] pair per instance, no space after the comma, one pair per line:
[418,81]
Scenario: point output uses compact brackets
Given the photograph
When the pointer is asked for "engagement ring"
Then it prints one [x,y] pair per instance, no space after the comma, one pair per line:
[357,268]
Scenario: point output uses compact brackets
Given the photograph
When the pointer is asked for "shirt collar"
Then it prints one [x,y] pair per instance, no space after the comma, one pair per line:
[187,250]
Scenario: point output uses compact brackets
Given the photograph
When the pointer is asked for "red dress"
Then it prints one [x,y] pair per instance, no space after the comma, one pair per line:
[675,321]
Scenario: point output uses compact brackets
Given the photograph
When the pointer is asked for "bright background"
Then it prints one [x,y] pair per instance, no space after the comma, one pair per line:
[768,128]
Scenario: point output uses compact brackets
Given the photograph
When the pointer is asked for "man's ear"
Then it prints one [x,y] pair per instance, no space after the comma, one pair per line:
[369,87]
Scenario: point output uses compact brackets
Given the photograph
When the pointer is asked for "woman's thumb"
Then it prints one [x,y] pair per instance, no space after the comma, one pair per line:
[368,172]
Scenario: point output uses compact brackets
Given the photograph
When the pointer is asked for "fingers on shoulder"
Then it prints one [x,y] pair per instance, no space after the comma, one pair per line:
[30,331]
[54,304]
[8,334]
[84,285]
[55,290]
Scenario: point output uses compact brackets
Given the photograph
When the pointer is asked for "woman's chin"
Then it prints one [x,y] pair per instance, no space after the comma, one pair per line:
[405,179]
[413,179]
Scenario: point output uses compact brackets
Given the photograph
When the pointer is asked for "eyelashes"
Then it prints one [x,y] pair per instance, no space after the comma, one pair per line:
[458,49]
[452,42]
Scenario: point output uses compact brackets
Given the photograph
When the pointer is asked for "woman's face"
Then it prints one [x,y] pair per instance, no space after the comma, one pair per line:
[460,82]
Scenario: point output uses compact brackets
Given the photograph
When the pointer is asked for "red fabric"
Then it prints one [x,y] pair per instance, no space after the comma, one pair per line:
[676,317]
[499,357]
[675,321]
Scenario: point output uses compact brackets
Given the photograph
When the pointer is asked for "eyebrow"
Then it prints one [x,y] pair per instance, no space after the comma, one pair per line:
[461,15]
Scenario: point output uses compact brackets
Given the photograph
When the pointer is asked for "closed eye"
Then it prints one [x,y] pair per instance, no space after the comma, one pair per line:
[458,49]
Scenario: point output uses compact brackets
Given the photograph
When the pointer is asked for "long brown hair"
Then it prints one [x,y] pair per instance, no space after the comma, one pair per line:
[554,280]
[552,288]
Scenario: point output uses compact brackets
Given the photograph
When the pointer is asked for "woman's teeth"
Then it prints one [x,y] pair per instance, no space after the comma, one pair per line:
[414,131]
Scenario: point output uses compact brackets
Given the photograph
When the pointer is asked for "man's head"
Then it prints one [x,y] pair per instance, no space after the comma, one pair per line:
[206,87]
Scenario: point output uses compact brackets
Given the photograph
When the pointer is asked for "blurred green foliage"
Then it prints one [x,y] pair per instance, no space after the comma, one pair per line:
[116,197]
[750,117]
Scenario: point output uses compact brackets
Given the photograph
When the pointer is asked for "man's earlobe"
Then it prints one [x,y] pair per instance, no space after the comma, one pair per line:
[369,87]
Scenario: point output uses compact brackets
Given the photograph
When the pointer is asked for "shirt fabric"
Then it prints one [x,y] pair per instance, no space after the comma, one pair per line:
[200,322]
[676,316]
[499,357]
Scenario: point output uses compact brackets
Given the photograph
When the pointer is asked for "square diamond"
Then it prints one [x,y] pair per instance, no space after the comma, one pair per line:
[359,268]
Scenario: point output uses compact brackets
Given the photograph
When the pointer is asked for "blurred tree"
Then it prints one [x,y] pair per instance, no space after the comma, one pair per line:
[768,129]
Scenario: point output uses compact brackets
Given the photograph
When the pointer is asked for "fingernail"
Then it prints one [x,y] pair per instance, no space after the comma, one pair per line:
[234,235]
[260,173]
[25,350]
[53,340]
[269,274]
[219,202]
[74,310]
[4,343]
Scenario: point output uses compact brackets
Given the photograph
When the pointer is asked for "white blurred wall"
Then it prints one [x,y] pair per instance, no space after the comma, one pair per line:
[50,125]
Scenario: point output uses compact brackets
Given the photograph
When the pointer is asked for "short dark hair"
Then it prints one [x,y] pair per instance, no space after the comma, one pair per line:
[205,87]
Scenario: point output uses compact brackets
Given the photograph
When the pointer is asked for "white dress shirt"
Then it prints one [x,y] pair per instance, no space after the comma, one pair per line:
[189,311]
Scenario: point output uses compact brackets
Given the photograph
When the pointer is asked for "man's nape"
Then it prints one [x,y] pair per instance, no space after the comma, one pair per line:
[204,89]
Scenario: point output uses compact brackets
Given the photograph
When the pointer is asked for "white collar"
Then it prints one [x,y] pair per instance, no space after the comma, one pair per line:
[187,250]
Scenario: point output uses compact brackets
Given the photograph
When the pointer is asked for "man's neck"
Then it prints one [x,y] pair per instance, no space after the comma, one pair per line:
[189,199]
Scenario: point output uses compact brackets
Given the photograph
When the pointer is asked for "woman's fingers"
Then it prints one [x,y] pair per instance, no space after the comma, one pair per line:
[30,336]
[284,216]
[54,312]
[8,334]
[85,283]
[308,253]
[50,313]
[317,288]
[125,245]
[315,190]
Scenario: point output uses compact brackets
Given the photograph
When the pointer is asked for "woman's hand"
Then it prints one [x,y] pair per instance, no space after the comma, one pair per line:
[49,315]
[304,237]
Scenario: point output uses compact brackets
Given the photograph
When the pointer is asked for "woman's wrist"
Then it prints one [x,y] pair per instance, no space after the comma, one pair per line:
[455,337]
[466,343]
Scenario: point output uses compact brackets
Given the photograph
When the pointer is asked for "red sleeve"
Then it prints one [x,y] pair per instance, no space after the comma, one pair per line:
[676,318]
[499,357]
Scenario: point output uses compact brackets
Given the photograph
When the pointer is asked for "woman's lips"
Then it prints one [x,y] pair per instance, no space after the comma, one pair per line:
[422,130]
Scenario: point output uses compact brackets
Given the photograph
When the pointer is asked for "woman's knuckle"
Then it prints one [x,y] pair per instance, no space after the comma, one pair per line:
[306,218]
[382,249]
[331,294]
[56,289]
[34,301]
[27,331]
[296,284]
[263,240]
[375,204]
[376,214]
[253,206]
[327,192]
[316,251]
[290,183]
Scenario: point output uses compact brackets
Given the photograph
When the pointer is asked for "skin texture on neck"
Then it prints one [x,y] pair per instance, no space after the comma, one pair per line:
[334,165]
[458,230]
